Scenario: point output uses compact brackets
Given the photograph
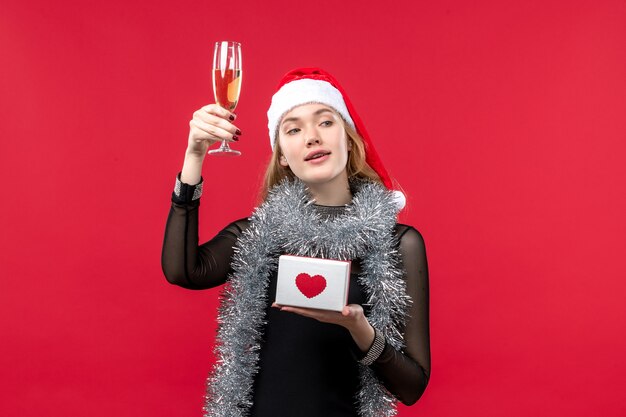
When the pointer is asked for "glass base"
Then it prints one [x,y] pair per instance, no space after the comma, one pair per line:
[227,152]
[224,150]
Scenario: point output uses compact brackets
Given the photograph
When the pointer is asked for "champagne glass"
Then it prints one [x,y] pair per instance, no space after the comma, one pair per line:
[226,84]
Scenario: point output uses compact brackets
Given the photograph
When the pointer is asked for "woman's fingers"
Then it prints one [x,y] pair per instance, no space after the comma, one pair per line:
[346,317]
[219,111]
[211,124]
[347,311]
[218,122]
[320,315]
[209,131]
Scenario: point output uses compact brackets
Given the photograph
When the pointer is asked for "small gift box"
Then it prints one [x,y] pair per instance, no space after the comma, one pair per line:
[312,282]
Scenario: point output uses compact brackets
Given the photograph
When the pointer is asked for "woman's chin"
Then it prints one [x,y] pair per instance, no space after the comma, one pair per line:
[322,178]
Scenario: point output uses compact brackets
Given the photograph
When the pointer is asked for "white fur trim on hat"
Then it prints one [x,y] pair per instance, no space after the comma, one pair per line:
[399,199]
[303,91]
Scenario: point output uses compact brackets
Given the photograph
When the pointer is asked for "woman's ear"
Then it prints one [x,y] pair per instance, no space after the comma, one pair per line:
[283,161]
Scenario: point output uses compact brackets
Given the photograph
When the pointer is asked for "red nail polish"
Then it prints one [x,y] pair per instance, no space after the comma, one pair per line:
[238,132]
[231,117]
[235,138]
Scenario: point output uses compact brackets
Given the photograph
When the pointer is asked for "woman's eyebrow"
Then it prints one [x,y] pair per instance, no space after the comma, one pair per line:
[320,111]
[316,113]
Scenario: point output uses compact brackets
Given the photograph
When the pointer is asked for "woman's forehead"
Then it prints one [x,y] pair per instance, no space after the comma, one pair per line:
[307,110]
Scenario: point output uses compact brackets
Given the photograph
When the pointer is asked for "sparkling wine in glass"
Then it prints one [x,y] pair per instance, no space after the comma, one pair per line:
[227,74]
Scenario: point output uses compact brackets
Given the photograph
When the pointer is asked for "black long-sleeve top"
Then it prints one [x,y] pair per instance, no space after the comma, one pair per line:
[308,368]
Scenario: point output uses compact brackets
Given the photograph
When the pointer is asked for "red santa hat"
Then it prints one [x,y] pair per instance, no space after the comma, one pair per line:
[314,85]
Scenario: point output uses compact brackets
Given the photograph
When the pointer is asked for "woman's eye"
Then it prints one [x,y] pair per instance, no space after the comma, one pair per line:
[293,131]
[326,123]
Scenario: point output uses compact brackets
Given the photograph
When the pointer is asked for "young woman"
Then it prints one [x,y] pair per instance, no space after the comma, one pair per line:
[326,195]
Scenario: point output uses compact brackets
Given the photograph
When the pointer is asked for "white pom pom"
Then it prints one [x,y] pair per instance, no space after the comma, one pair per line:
[399,199]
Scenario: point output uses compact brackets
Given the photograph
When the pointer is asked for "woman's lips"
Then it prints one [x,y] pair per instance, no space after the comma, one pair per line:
[319,159]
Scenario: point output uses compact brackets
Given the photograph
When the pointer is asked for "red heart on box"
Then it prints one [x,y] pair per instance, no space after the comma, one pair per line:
[310,286]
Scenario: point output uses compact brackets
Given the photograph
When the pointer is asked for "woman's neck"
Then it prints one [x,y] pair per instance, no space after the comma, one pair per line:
[332,193]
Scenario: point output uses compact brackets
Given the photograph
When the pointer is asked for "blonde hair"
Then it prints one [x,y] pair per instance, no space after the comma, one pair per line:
[357,167]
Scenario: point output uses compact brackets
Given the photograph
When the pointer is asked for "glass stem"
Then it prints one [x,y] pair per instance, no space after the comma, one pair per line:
[224,147]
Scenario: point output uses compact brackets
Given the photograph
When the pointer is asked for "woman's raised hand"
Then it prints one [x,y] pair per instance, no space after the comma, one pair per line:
[210,124]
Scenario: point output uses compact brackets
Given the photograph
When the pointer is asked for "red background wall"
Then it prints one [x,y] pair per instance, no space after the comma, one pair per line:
[503,121]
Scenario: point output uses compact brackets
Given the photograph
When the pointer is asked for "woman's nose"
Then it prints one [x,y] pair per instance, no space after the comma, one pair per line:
[312,138]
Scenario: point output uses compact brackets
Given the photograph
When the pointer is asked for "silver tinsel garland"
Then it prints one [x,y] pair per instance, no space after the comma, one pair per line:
[287,223]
